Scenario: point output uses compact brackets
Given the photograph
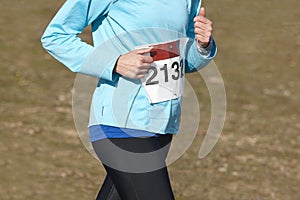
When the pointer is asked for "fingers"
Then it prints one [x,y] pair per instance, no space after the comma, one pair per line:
[203,27]
[142,61]
[143,50]
[202,35]
[134,64]
[145,66]
[204,32]
[200,20]
[141,72]
[146,59]
[142,68]
[137,72]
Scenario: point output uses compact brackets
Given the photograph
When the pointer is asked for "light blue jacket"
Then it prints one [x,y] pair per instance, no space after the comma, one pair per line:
[118,26]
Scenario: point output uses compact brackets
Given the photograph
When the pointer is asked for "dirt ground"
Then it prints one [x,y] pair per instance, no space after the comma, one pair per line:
[256,157]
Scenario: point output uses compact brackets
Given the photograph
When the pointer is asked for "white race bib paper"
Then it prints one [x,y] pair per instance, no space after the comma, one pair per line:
[165,78]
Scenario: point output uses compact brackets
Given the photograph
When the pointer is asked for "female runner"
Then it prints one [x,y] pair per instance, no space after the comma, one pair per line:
[136,105]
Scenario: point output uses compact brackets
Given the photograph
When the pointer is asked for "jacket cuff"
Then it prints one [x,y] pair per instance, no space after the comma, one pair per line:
[208,51]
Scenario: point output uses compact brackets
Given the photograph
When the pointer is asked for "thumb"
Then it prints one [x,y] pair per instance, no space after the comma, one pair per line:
[202,12]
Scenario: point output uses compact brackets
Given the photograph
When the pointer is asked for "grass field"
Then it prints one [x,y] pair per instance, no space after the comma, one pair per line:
[256,158]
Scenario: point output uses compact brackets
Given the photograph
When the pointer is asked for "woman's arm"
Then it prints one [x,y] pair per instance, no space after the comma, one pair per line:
[61,39]
[201,48]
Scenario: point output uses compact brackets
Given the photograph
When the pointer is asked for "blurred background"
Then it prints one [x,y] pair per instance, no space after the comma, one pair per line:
[256,157]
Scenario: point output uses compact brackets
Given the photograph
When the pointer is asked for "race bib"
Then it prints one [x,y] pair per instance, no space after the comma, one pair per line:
[165,78]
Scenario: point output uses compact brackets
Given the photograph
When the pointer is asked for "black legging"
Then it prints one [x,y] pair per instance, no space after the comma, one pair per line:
[134,183]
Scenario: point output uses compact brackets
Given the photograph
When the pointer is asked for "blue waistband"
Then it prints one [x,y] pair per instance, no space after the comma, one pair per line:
[99,132]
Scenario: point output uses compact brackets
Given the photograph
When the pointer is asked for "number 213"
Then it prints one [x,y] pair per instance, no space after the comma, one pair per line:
[178,69]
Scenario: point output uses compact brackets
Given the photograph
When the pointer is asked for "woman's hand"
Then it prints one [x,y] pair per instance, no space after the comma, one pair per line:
[134,64]
[203,28]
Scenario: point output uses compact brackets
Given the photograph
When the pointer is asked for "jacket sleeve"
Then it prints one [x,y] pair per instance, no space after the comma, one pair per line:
[195,60]
[61,39]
